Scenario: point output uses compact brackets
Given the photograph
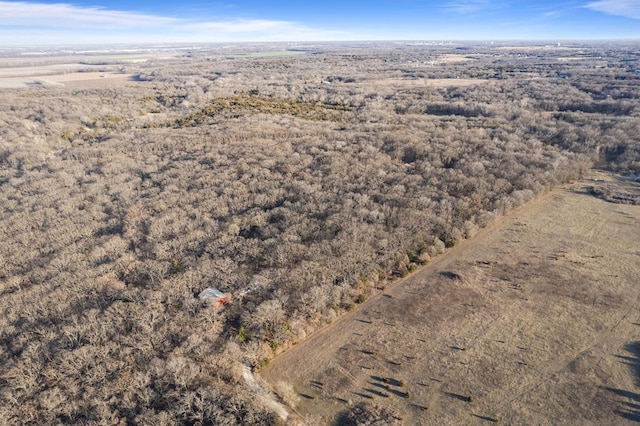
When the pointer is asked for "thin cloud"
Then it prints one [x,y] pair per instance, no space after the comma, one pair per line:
[61,15]
[240,25]
[466,6]
[23,22]
[557,10]
[626,8]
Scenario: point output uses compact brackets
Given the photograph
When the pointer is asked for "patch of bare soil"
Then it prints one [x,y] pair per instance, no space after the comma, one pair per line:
[534,321]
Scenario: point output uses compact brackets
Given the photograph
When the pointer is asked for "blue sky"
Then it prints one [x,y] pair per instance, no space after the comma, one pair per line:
[121,21]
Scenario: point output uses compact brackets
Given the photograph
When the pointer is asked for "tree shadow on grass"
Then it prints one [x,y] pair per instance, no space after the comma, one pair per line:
[631,404]
[458,396]
[632,360]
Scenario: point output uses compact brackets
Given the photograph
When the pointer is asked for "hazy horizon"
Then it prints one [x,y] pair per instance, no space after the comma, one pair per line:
[194,21]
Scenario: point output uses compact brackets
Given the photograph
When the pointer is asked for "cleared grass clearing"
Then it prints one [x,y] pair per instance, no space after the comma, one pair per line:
[451,58]
[534,321]
[89,79]
[455,82]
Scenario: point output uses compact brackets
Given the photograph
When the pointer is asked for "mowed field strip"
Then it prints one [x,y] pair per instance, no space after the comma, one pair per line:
[536,320]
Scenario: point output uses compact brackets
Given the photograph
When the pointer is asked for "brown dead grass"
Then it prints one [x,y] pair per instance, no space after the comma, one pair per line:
[534,321]
[31,71]
[76,79]
[89,79]
[455,82]
[452,58]
[63,74]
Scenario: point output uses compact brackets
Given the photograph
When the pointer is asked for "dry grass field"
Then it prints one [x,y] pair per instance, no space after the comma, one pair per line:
[104,71]
[88,79]
[455,82]
[534,321]
[72,79]
[80,80]
[453,58]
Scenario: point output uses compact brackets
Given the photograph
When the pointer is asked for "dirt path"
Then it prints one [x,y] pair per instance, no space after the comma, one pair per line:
[263,395]
[534,321]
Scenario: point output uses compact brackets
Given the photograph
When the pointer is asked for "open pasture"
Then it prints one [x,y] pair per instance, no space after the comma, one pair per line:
[535,321]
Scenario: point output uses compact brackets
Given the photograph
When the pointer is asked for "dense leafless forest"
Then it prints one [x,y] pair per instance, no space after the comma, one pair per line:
[299,183]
